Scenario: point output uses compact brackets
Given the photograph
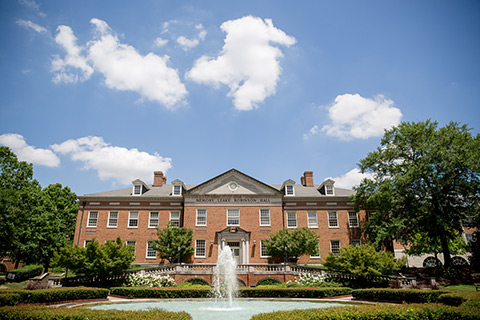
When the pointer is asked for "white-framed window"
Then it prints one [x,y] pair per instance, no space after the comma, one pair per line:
[177,190]
[263,249]
[201,217]
[291,219]
[153,219]
[175,218]
[133,219]
[265,217]
[86,242]
[92,219]
[470,238]
[312,219]
[329,190]
[355,242]
[233,217]
[132,243]
[335,246]
[151,252]
[332,219]
[200,248]
[112,219]
[353,219]
[137,190]
[289,191]
[317,255]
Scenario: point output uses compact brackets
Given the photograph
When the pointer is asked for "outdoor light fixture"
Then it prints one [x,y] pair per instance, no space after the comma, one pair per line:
[211,242]
[254,242]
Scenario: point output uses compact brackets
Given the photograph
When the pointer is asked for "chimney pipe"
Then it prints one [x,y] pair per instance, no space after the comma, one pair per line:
[159,179]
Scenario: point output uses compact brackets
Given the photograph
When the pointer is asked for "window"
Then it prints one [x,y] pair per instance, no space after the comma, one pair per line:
[329,190]
[291,219]
[312,219]
[470,237]
[201,217]
[289,190]
[353,219]
[151,252]
[92,219]
[133,219]
[132,243]
[177,190]
[112,219]
[200,248]
[175,218]
[86,243]
[317,254]
[332,219]
[355,242]
[263,249]
[153,219]
[233,217]
[264,217]
[335,246]
[137,190]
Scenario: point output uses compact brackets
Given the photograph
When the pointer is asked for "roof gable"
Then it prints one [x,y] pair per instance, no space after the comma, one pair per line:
[233,182]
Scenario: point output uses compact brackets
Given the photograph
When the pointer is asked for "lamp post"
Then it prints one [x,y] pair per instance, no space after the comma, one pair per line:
[286,254]
[179,254]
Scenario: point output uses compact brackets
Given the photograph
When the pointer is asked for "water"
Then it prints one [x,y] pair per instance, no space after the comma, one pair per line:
[212,310]
[225,279]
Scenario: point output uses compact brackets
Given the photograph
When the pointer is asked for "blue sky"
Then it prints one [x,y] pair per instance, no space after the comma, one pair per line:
[99,93]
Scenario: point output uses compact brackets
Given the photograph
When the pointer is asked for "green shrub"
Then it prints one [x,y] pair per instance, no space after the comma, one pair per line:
[378,312]
[197,281]
[268,282]
[451,299]
[14,297]
[161,293]
[472,303]
[275,292]
[401,295]
[25,273]
[45,313]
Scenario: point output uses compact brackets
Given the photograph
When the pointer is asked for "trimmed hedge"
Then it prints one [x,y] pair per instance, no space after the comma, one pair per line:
[400,295]
[268,281]
[25,273]
[385,312]
[243,292]
[14,297]
[197,281]
[45,313]
[451,299]
[171,293]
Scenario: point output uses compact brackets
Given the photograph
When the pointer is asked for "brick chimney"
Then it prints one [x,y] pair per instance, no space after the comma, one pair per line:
[307,179]
[159,179]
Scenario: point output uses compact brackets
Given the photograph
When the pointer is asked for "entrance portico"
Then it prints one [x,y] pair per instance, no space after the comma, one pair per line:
[238,240]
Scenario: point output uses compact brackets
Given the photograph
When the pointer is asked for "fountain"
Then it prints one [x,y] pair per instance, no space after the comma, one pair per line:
[225,278]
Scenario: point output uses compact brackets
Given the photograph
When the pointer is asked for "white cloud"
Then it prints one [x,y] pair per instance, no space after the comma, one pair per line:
[177,29]
[119,164]
[121,65]
[31,4]
[313,131]
[353,116]
[248,63]
[350,179]
[27,24]
[74,58]
[160,42]
[187,44]
[24,152]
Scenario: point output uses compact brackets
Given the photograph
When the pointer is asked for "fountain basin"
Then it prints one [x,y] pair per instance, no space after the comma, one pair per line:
[213,310]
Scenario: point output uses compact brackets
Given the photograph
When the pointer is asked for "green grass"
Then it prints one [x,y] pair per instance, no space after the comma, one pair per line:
[461,287]
[16,285]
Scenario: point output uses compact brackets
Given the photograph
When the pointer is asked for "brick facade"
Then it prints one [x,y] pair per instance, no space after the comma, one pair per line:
[122,213]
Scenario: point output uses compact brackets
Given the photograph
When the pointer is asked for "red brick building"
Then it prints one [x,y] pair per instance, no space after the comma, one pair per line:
[232,208]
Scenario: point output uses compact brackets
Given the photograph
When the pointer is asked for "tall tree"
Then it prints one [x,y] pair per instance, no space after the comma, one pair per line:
[170,239]
[18,201]
[293,243]
[425,180]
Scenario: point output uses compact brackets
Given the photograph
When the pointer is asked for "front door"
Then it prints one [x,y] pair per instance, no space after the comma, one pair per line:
[235,247]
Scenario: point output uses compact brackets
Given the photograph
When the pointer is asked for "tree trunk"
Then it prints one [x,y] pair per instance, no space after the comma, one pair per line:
[446,251]
[17,263]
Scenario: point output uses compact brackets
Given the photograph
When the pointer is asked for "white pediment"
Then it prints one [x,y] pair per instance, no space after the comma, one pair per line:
[233,182]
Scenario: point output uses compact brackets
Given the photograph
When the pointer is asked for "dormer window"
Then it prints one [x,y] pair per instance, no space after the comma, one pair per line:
[329,189]
[289,191]
[177,190]
[139,187]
